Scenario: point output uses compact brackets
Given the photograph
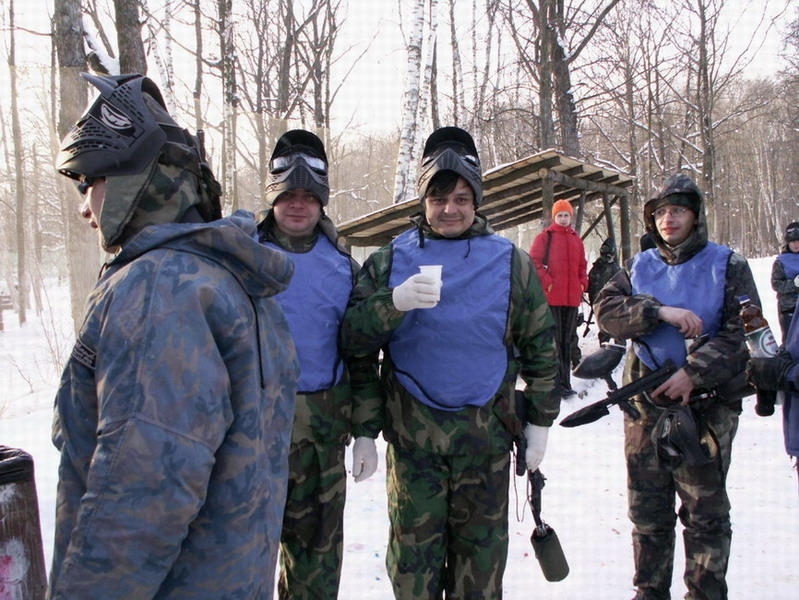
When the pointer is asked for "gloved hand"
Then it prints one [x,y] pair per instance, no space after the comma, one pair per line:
[536,437]
[796,281]
[769,373]
[418,291]
[364,458]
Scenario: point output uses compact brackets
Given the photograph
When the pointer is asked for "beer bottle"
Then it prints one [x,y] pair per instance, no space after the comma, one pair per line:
[761,343]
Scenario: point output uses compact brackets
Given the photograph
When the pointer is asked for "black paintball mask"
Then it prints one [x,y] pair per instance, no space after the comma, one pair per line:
[298,161]
[450,149]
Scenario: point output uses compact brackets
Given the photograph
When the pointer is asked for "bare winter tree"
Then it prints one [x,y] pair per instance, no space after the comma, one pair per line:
[227,66]
[550,35]
[81,246]
[129,41]
[21,209]
[403,181]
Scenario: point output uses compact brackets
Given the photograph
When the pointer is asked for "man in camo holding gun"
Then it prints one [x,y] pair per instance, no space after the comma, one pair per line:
[684,288]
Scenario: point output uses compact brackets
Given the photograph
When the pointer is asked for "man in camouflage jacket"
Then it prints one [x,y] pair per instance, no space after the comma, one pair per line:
[312,540]
[174,411]
[451,358]
[685,288]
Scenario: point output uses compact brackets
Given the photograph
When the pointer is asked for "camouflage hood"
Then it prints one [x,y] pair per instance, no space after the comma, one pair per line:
[231,242]
[685,187]
[160,194]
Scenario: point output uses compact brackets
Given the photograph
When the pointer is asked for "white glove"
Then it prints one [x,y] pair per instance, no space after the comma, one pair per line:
[364,458]
[536,437]
[796,281]
[418,291]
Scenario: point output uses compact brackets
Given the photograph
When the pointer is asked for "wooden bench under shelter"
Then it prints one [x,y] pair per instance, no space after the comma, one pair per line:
[518,193]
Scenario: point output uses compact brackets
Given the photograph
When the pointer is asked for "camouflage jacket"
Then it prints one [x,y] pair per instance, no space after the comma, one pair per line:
[371,319]
[625,316]
[326,416]
[782,282]
[173,419]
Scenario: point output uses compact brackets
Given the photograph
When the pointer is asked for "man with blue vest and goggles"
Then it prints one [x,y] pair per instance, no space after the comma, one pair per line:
[684,288]
[330,388]
[452,352]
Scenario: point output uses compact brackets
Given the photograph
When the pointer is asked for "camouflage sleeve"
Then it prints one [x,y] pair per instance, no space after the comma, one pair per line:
[367,404]
[365,384]
[532,328]
[725,355]
[622,315]
[371,316]
[367,325]
[779,281]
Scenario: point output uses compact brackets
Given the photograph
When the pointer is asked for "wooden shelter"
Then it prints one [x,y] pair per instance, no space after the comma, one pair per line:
[517,193]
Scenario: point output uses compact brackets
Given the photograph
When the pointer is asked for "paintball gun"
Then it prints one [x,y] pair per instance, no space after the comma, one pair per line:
[546,544]
[620,397]
[589,322]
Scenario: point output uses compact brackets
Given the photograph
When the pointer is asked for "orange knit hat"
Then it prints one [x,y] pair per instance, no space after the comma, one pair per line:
[561,206]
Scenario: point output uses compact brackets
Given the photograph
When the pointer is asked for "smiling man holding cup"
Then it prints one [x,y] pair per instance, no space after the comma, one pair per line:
[453,348]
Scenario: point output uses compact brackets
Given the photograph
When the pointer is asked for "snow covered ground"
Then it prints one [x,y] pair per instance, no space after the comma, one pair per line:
[584,499]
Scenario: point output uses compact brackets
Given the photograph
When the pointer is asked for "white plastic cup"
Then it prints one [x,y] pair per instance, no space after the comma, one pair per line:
[433,271]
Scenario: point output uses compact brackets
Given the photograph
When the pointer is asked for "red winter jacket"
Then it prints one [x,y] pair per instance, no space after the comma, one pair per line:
[565,278]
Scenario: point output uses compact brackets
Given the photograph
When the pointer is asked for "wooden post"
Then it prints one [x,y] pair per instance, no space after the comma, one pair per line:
[578,221]
[22,571]
[547,196]
[625,223]
[608,216]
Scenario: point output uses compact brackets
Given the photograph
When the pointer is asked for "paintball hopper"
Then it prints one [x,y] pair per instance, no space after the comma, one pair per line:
[600,364]
[546,544]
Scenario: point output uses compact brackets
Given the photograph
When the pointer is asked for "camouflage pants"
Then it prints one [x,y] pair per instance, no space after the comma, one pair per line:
[311,544]
[449,524]
[704,511]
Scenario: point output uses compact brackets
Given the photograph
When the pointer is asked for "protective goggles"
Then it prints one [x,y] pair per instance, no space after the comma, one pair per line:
[84,183]
[288,161]
[462,153]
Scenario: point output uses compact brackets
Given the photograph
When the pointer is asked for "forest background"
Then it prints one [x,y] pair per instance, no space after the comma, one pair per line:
[645,87]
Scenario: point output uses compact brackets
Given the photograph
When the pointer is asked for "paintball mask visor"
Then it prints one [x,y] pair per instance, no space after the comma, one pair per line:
[281,164]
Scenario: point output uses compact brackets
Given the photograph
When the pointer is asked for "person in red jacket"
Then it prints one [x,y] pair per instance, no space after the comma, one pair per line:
[559,258]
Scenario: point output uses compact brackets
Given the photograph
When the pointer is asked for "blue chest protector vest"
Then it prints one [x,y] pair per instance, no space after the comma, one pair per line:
[454,355]
[790,263]
[697,285]
[314,305]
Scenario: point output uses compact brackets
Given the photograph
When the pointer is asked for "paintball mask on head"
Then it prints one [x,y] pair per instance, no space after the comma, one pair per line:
[451,149]
[680,437]
[123,137]
[792,232]
[298,161]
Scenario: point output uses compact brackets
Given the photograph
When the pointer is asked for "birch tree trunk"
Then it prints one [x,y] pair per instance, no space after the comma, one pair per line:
[21,209]
[403,183]
[231,101]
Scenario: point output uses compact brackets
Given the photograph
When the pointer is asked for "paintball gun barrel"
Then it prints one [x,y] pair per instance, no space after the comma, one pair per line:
[620,397]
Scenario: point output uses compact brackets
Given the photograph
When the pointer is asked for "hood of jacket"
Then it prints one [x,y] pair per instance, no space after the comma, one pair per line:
[697,239]
[231,242]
